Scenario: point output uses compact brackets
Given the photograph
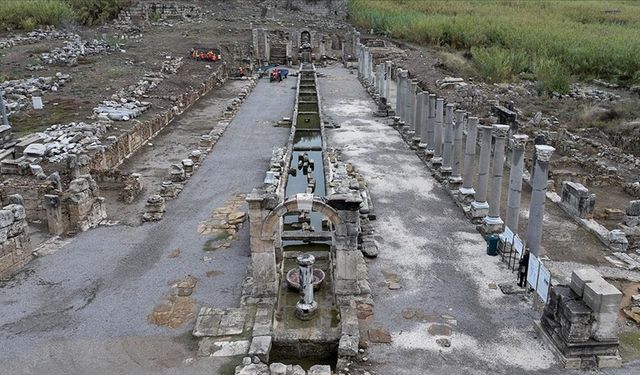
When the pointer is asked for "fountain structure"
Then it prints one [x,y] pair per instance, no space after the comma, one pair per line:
[306,267]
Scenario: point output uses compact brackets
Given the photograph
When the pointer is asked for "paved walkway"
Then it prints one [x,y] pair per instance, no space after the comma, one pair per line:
[83,309]
[440,260]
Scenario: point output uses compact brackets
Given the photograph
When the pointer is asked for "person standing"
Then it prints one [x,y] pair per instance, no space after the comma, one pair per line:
[523,269]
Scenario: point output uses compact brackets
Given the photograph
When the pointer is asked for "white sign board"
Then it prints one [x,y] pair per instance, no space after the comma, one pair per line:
[518,245]
[507,236]
[532,274]
[544,283]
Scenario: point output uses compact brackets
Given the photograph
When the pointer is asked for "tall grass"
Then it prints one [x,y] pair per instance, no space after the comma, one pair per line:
[29,14]
[552,39]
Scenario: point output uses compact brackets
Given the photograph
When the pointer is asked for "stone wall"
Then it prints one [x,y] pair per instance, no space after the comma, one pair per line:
[15,244]
[33,192]
[77,209]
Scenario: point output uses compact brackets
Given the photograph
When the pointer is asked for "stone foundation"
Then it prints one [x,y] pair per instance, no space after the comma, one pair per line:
[580,321]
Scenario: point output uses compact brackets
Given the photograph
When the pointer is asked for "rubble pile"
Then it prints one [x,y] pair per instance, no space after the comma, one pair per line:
[69,53]
[18,93]
[125,104]
[57,142]
[34,37]
[171,66]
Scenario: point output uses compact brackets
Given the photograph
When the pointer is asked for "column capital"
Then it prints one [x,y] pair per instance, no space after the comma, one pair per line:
[518,141]
[403,72]
[500,131]
[485,128]
[544,152]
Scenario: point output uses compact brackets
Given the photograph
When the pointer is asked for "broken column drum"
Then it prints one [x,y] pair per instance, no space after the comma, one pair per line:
[480,207]
[469,154]
[306,307]
[518,143]
[493,222]
[538,196]
[447,153]
[456,163]
[437,133]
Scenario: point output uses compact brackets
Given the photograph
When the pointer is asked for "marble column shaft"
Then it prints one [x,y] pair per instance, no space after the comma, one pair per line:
[500,133]
[538,197]
[431,119]
[483,164]
[456,163]
[469,156]
[419,114]
[518,143]
[437,128]
[447,152]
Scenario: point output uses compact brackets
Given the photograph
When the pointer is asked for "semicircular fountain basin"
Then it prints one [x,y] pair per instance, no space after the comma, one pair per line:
[293,278]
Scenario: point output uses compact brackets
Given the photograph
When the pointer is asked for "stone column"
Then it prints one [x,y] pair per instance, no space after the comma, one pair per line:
[492,222]
[402,94]
[538,196]
[480,207]
[456,167]
[387,80]
[424,118]
[437,134]
[518,143]
[418,116]
[380,79]
[431,119]
[410,104]
[447,153]
[306,306]
[466,192]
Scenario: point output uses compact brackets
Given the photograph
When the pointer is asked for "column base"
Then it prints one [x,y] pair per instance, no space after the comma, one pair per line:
[416,141]
[492,225]
[428,153]
[455,182]
[479,210]
[306,311]
[436,162]
[445,172]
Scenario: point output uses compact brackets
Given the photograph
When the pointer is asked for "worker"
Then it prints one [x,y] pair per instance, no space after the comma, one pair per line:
[194,54]
[202,56]
[211,56]
[240,72]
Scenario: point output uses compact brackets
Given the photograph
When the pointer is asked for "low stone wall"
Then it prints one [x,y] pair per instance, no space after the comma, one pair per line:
[15,244]
[577,199]
[77,209]
[126,144]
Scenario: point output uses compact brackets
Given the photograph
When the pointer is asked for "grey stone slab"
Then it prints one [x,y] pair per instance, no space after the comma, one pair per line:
[260,347]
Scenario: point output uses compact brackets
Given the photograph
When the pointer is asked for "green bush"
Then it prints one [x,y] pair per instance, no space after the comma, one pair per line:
[95,12]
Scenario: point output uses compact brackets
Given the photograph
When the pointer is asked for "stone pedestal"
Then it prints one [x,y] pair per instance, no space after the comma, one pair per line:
[577,199]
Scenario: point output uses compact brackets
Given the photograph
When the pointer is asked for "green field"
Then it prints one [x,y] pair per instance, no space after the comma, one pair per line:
[553,41]
[29,14]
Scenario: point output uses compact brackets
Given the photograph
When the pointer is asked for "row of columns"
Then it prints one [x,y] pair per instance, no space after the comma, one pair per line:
[438,130]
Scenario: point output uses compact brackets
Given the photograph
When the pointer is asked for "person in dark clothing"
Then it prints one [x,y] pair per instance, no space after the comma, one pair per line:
[523,268]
